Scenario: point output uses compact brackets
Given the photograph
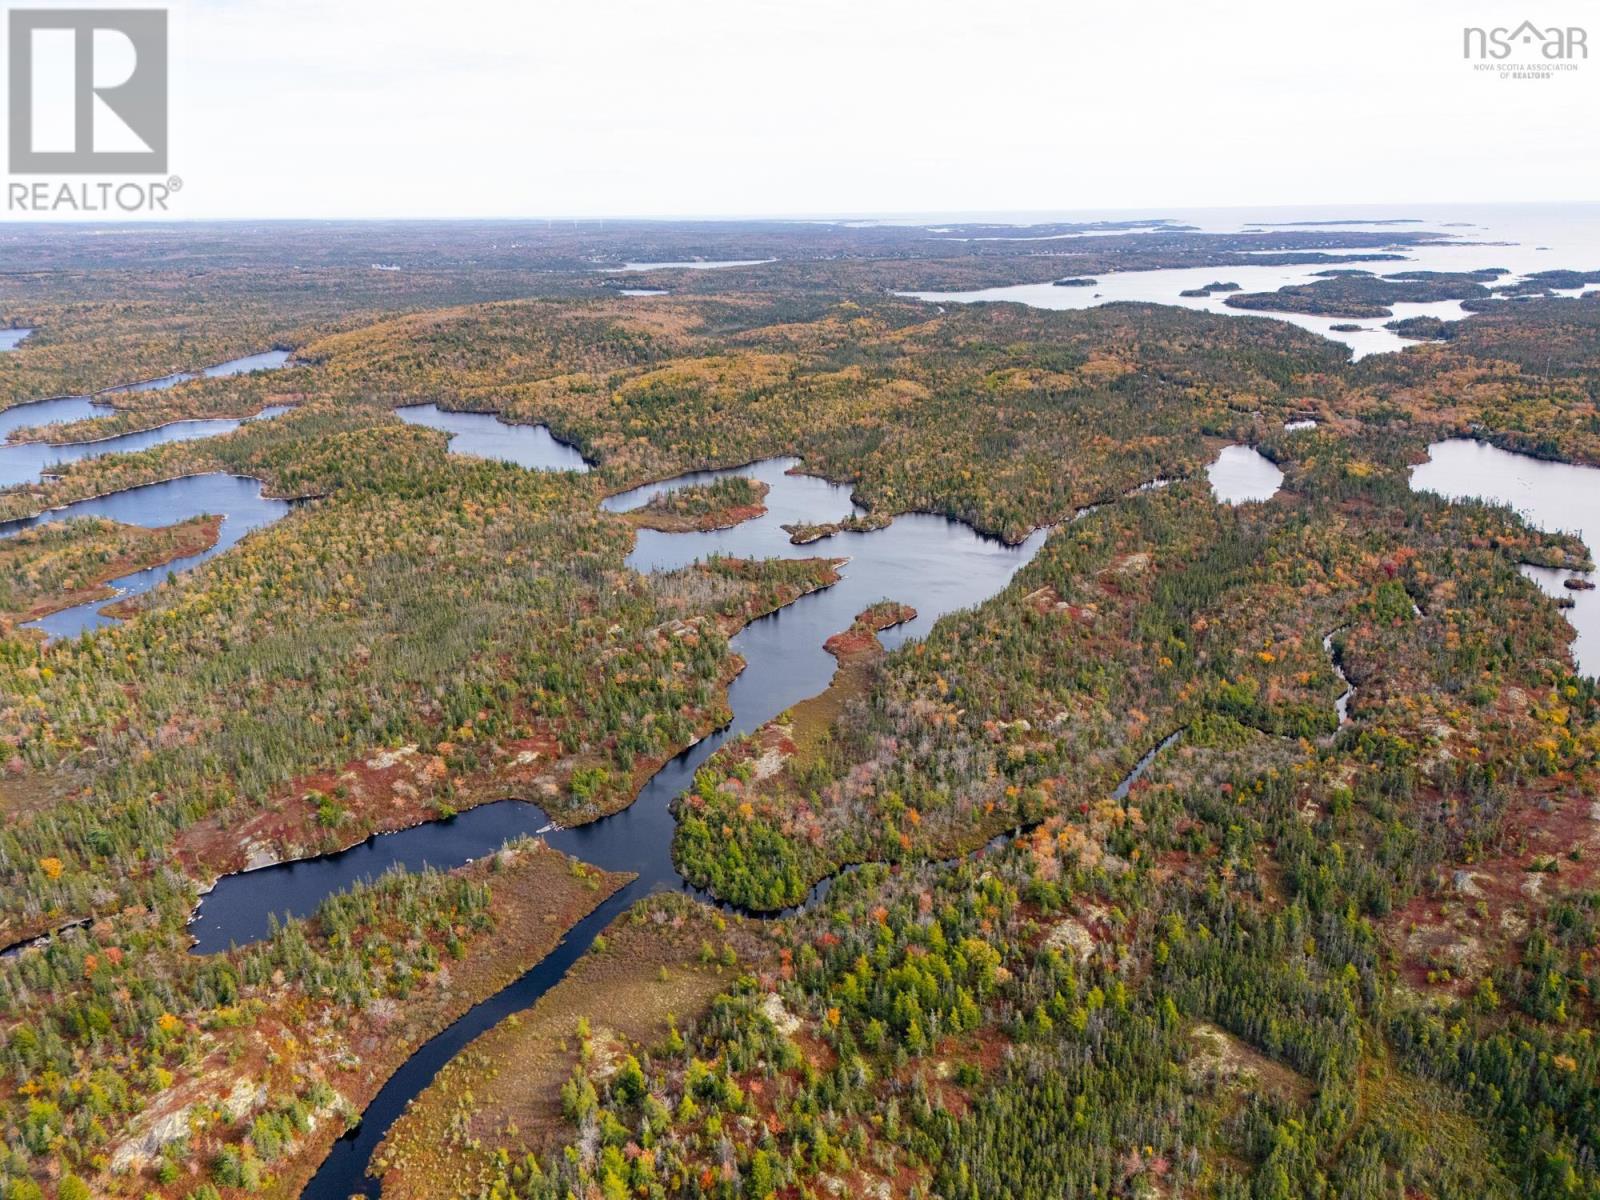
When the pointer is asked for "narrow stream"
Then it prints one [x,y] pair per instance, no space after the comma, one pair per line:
[1342,704]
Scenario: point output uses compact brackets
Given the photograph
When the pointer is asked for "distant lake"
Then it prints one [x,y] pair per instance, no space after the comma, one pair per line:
[695,265]
[10,339]
[1521,238]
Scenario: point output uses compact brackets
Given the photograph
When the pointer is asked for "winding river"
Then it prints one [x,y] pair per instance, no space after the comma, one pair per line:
[936,564]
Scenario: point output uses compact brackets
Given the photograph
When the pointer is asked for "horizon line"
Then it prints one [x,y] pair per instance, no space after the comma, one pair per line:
[965,216]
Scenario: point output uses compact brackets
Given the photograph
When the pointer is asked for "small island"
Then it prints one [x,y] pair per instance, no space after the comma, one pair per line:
[803,534]
[1209,288]
[1077,281]
[703,507]
[56,566]
[1422,328]
[1360,295]
[860,642]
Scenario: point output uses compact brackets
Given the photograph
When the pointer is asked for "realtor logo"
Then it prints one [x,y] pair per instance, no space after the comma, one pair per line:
[88,91]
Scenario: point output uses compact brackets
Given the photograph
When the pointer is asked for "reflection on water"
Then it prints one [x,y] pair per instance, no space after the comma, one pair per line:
[1240,475]
[1554,496]
[484,435]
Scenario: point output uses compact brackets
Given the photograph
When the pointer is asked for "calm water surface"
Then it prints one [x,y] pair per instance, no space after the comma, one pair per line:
[1554,496]
[10,339]
[26,462]
[696,265]
[1240,475]
[484,435]
[236,499]
[267,360]
[935,564]
[939,565]
[1520,238]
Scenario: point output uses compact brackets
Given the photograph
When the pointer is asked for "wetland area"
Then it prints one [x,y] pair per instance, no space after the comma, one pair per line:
[849,742]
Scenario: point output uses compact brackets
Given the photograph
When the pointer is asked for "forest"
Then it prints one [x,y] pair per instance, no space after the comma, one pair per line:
[1097,889]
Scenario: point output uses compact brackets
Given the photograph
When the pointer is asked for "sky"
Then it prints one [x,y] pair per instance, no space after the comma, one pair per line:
[592,108]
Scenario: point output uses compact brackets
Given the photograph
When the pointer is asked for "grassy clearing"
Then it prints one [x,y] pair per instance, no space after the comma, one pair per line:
[649,972]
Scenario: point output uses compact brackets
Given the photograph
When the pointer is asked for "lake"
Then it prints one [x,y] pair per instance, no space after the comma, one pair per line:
[1241,475]
[238,500]
[484,435]
[937,564]
[1554,496]
[26,462]
[691,265]
[1520,238]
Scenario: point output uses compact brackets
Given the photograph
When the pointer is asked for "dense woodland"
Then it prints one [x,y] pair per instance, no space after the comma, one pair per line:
[1295,957]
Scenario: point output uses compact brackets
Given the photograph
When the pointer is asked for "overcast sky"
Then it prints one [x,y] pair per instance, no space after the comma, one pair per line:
[372,108]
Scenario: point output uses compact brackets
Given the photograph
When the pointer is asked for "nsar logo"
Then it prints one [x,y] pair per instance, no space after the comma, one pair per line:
[1554,44]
